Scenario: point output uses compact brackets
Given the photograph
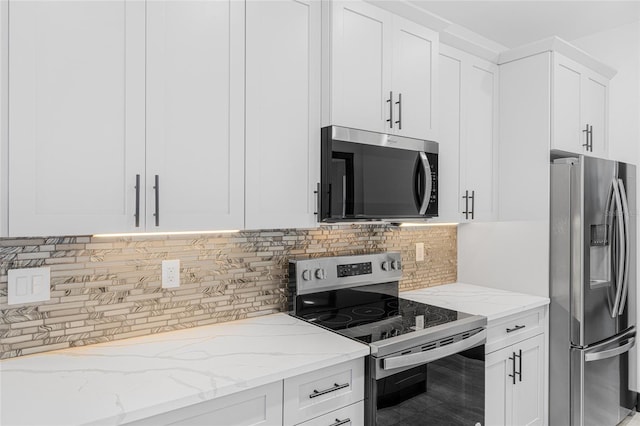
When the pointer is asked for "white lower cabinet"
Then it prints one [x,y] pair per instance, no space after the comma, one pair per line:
[515,374]
[352,415]
[257,406]
[330,396]
[319,392]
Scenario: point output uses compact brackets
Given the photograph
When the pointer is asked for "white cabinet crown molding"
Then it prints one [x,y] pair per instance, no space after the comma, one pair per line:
[556,44]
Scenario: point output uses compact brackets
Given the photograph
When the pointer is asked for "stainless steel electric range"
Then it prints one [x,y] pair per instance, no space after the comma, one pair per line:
[426,364]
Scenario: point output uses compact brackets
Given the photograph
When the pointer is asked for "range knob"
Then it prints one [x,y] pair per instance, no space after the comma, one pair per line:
[320,274]
[306,275]
[395,265]
[386,266]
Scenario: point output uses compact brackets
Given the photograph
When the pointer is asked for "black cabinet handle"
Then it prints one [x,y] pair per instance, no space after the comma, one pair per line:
[513,367]
[586,132]
[137,214]
[156,187]
[341,422]
[399,103]
[390,101]
[519,372]
[317,198]
[590,135]
[473,204]
[317,393]
[516,328]
[466,204]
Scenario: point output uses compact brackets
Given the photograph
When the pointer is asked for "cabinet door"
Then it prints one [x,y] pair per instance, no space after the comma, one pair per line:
[361,66]
[258,406]
[593,110]
[528,393]
[195,115]
[415,50]
[478,157]
[498,387]
[282,113]
[450,69]
[76,116]
[567,126]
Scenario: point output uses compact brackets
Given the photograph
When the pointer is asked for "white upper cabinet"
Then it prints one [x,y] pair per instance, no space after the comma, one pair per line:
[76,116]
[380,71]
[126,116]
[358,51]
[468,126]
[415,51]
[195,115]
[282,113]
[580,98]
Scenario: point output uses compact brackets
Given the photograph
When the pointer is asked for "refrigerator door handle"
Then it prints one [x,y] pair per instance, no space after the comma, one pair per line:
[609,212]
[610,353]
[627,244]
[620,255]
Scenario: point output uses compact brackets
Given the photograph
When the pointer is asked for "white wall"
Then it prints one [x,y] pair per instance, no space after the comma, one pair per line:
[620,48]
[506,255]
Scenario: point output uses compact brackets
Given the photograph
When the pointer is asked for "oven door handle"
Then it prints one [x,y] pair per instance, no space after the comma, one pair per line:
[434,354]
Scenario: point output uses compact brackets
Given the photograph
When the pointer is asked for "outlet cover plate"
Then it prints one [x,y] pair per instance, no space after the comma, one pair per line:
[419,252]
[28,285]
[171,273]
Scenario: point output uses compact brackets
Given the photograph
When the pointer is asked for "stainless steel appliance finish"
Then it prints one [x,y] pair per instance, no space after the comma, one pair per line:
[593,291]
[426,362]
[375,176]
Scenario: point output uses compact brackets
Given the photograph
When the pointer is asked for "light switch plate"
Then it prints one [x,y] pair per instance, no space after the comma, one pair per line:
[28,285]
[419,252]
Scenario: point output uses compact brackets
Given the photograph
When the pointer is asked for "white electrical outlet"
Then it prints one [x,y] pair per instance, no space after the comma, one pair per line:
[170,273]
[419,252]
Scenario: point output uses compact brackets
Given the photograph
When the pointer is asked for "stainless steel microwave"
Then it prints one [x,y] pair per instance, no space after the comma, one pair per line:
[374,176]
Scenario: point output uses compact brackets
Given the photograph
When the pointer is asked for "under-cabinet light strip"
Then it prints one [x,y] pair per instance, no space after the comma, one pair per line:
[408,224]
[153,234]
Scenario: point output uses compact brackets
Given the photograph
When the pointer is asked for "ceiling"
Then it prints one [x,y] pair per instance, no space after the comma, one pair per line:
[517,22]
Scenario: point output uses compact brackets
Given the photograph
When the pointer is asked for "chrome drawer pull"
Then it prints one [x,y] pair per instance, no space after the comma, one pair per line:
[317,393]
[341,422]
[516,328]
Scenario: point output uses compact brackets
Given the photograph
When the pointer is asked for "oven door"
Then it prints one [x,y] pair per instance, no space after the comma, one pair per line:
[376,179]
[449,390]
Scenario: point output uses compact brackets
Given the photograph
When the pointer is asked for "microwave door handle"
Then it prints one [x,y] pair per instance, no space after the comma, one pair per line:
[427,183]
[620,253]
[626,242]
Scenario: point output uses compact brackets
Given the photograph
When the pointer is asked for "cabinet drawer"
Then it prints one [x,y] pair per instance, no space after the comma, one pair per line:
[352,415]
[322,391]
[514,328]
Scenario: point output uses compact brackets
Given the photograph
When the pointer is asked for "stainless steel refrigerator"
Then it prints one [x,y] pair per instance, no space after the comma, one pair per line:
[592,324]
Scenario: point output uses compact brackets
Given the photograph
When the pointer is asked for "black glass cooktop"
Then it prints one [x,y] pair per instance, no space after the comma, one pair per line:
[370,315]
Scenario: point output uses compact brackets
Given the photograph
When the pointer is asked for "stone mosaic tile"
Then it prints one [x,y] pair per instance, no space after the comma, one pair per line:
[105,289]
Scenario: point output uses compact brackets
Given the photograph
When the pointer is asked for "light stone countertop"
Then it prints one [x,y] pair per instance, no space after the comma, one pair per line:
[473,299]
[126,380]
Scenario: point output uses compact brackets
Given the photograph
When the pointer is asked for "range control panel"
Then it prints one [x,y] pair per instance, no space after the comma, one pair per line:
[325,273]
[352,269]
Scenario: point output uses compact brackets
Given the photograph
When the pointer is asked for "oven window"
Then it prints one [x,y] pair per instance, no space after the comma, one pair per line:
[447,391]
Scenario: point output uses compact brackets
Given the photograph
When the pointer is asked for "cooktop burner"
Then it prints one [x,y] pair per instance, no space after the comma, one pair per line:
[377,316]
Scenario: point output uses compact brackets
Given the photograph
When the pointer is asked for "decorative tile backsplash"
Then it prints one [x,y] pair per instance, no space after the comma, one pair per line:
[106,289]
